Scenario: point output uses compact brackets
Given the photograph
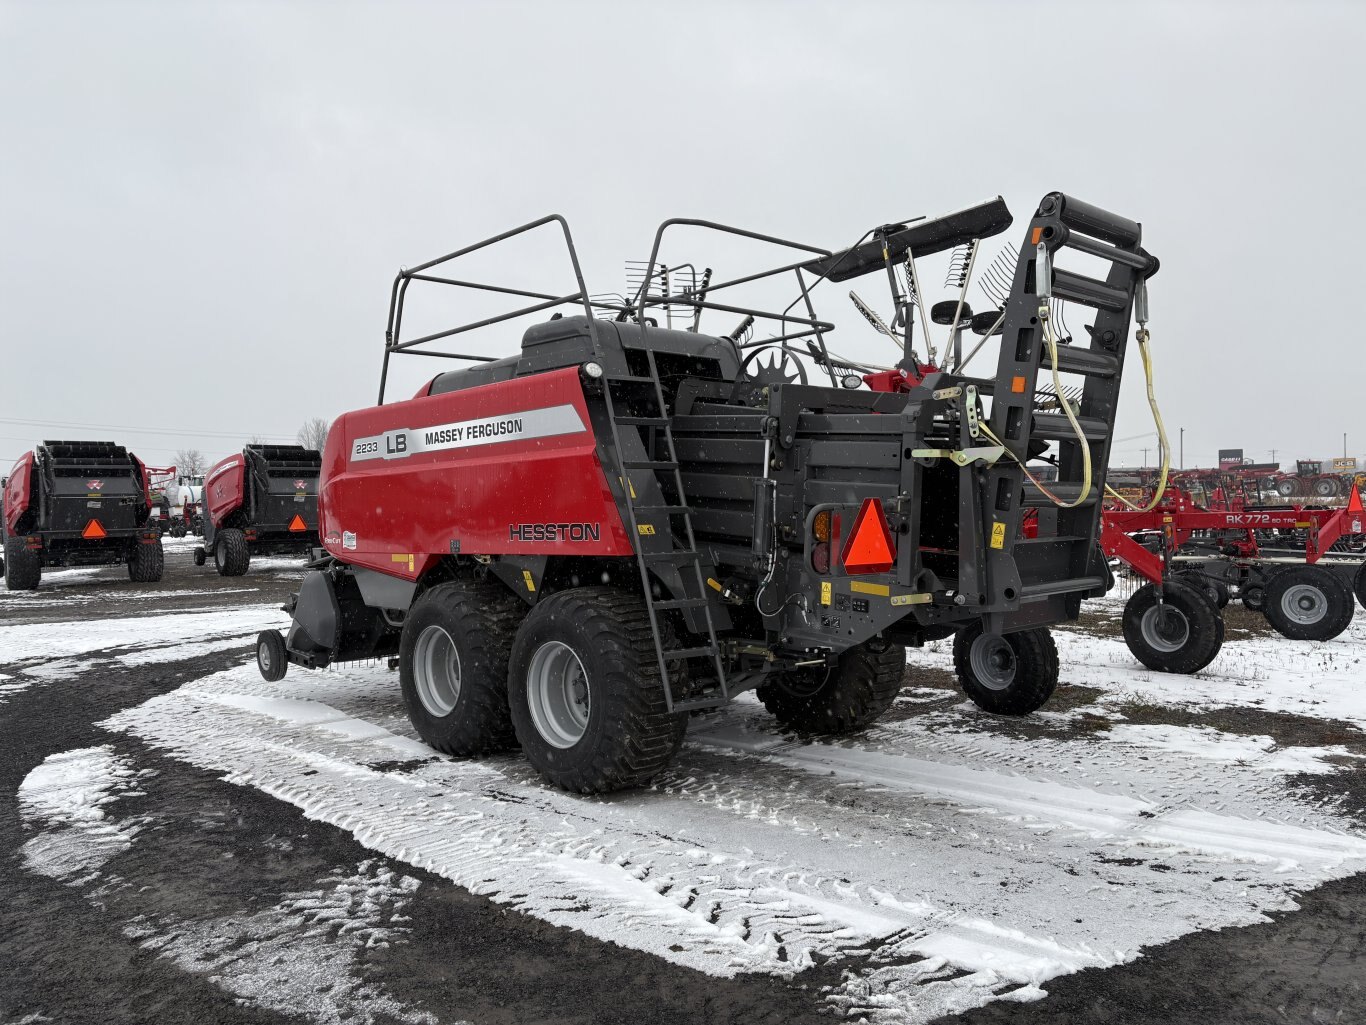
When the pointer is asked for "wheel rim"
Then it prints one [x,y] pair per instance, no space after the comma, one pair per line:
[993,662]
[264,657]
[1304,604]
[436,671]
[1165,628]
[1253,597]
[557,694]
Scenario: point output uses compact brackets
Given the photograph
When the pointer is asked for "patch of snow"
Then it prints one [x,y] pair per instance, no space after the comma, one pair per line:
[300,957]
[966,866]
[65,798]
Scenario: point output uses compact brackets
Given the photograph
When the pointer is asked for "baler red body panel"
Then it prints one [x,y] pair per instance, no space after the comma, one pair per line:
[224,488]
[17,490]
[507,468]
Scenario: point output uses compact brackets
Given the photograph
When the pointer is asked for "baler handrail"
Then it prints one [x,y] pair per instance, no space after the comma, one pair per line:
[406,275]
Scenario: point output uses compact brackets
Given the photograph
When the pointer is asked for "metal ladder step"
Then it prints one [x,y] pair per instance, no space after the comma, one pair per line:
[679,557]
[629,379]
[649,464]
[1064,490]
[1056,427]
[680,603]
[1077,359]
[667,510]
[700,704]
[706,651]
[643,421]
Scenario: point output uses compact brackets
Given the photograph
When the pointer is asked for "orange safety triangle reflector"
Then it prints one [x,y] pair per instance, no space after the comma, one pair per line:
[93,530]
[1354,503]
[297,524]
[869,548]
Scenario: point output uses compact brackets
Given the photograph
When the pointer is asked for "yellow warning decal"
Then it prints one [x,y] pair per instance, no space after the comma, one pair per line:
[911,599]
[408,558]
[859,587]
[530,583]
[998,535]
[626,482]
[646,529]
[825,592]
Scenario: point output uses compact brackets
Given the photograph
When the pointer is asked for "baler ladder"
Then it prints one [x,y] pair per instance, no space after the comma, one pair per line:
[681,557]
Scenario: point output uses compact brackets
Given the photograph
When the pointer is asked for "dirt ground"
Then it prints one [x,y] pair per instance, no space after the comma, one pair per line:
[225,852]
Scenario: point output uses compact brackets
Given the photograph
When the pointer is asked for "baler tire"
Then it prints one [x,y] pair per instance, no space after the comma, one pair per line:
[850,696]
[1188,649]
[272,657]
[231,555]
[23,568]
[622,733]
[1032,679]
[199,556]
[1308,603]
[1359,584]
[147,562]
[475,623]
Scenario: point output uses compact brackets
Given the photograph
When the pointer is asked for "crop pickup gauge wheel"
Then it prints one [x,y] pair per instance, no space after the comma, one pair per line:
[1012,674]
[230,552]
[1182,633]
[847,697]
[453,665]
[199,557]
[147,562]
[1308,603]
[271,657]
[23,568]
[584,690]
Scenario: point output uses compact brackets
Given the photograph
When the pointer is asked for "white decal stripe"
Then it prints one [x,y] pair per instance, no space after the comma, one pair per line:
[402,442]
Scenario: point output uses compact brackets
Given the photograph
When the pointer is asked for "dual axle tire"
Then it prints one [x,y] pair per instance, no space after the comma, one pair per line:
[453,665]
[1308,603]
[1215,590]
[230,552]
[23,568]
[583,686]
[147,563]
[1011,674]
[1182,633]
[848,697]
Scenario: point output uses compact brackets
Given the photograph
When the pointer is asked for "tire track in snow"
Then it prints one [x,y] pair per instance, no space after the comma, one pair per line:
[935,905]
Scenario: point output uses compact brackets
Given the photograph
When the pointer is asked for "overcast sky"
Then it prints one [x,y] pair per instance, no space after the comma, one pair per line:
[202,206]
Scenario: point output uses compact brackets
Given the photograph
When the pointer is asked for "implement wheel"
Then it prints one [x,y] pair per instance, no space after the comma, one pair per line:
[1180,634]
[1359,584]
[1012,674]
[585,694]
[453,665]
[1253,597]
[230,552]
[840,700]
[147,562]
[271,656]
[23,568]
[1308,603]
[1215,590]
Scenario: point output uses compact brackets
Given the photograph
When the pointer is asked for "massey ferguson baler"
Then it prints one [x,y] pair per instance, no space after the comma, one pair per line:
[260,501]
[78,503]
[574,547]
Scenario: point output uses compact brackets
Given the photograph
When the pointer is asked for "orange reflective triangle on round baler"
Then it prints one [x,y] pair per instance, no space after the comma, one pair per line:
[297,524]
[94,530]
[869,548]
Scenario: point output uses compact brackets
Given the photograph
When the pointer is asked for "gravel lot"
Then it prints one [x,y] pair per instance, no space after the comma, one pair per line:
[184,842]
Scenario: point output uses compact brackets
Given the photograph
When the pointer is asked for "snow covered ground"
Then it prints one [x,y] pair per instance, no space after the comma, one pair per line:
[944,858]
